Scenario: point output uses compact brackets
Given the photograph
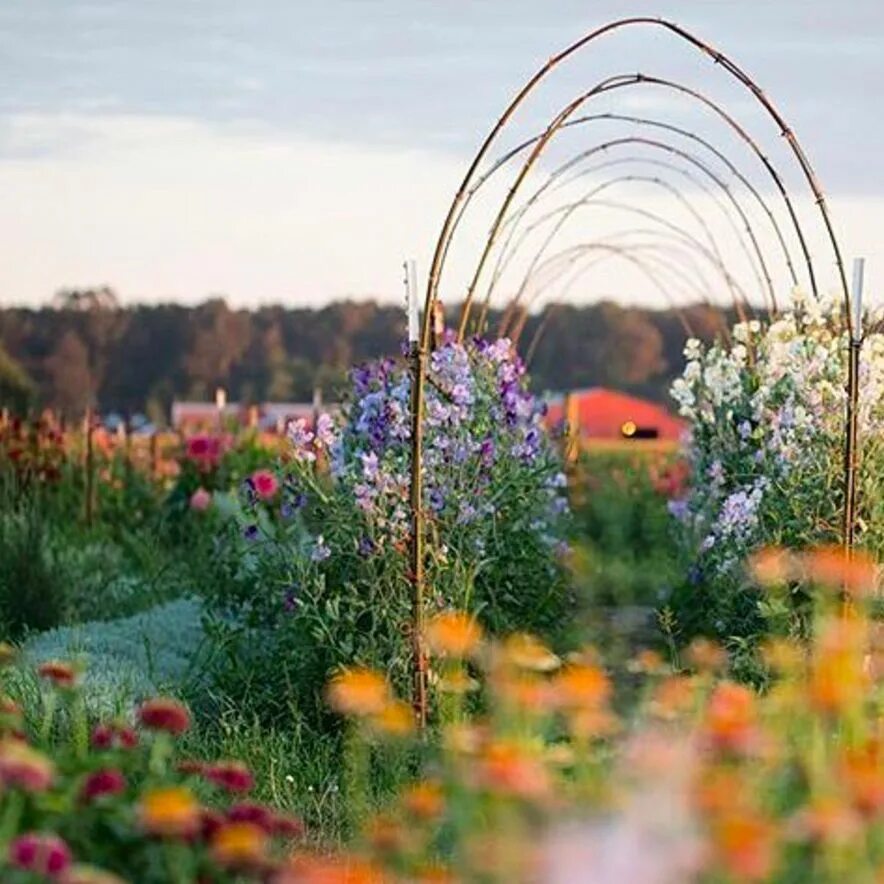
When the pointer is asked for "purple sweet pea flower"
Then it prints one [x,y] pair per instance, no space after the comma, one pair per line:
[290,599]
[325,430]
[320,550]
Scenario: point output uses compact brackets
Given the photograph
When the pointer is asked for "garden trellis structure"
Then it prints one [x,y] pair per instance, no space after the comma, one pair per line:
[536,147]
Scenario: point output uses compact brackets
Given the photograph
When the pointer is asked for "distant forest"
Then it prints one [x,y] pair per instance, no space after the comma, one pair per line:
[84,348]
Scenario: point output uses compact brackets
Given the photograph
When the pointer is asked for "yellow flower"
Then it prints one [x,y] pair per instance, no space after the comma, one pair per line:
[526,652]
[772,566]
[90,875]
[508,768]
[424,800]
[457,682]
[837,679]
[359,692]
[239,844]
[581,686]
[171,811]
[396,719]
[453,634]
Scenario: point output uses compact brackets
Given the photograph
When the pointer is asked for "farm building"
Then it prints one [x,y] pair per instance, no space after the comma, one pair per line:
[597,413]
[191,416]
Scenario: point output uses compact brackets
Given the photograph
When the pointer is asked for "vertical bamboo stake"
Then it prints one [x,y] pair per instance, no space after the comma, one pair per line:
[220,405]
[851,437]
[154,454]
[317,404]
[127,450]
[89,503]
[417,357]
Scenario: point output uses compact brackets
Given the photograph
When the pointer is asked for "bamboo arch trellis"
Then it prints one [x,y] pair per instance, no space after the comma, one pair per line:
[654,253]
[420,351]
[524,299]
[685,133]
[696,184]
[647,257]
[563,213]
[688,157]
[629,80]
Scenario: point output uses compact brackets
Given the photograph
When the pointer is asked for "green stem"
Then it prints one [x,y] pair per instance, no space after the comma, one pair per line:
[50,703]
[11,817]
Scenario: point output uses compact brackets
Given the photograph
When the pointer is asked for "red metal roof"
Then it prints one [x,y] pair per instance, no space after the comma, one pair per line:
[602,413]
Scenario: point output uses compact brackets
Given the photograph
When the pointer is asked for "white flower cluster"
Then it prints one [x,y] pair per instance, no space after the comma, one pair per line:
[767,415]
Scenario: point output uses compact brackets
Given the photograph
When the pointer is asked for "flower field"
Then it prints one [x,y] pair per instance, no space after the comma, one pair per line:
[570,572]
[645,663]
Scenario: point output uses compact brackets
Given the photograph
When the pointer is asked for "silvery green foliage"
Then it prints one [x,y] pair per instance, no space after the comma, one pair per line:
[130,658]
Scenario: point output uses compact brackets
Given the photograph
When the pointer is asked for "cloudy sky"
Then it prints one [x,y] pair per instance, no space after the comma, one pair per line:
[295,151]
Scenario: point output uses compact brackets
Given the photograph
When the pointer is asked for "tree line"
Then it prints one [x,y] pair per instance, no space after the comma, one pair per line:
[85,349]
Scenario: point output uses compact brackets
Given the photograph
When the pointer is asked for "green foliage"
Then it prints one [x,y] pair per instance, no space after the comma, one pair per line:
[32,586]
[315,574]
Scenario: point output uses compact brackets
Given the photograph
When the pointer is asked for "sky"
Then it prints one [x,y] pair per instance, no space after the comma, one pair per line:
[296,152]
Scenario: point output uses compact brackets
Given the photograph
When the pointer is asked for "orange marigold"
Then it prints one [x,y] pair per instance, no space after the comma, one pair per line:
[453,634]
[835,567]
[772,566]
[424,800]
[359,692]
[730,721]
[581,686]
[239,845]
[396,719]
[169,811]
[508,768]
[862,772]
[303,869]
[745,844]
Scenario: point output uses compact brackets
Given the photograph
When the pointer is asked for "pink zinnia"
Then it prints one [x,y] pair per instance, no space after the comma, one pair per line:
[204,451]
[114,736]
[251,812]
[108,781]
[265,484]
[200,500]
[24,768]
[164,714]
[233,776]
[41,853]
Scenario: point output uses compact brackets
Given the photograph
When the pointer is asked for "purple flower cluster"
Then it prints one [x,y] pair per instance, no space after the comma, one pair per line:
[481,422]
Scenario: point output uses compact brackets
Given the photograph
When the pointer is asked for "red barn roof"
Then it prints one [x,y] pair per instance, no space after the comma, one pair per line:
[602,414]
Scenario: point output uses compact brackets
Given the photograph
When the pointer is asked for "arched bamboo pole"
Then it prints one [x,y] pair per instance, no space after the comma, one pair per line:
[694,182]
[686,133]
[693,161]
[639,79]
[421,350]
[564,212]
[605,146]
[636,254]
[674,233]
